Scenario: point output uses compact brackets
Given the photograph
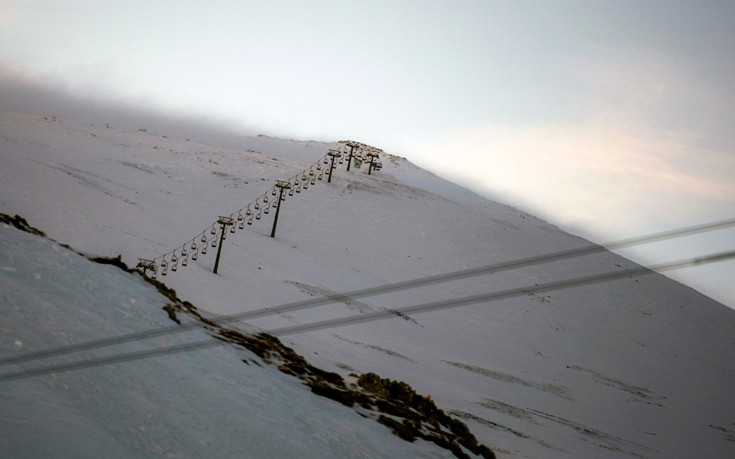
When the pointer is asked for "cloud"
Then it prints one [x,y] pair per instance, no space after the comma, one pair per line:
[632,159]
[9,13]
[20,92]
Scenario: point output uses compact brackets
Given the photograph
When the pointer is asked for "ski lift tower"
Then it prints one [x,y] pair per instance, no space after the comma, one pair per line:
[373,155]
[332,154]
[281,185]
[224,223]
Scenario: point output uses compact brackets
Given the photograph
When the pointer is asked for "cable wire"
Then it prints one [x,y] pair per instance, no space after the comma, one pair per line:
[349,320]
[371,291]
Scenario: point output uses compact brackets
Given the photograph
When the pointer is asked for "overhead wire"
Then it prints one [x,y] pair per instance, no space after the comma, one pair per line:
[381,289]
[379,315]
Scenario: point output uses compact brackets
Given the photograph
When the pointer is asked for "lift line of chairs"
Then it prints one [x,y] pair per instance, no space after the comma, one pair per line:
[254,210]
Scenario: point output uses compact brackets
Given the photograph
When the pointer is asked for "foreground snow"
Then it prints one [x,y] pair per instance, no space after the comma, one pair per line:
[202,404]
[635,367]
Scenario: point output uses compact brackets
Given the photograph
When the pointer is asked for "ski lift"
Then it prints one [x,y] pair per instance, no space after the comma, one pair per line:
[213,231]
[296,183]
[239,217]
[214,242]
[183,252]
[163,273]
[164,263]
[341,160]
[265,199]
[204,238]
[194,256]
[266,210]
[248,212]
[173,267]
[321,176]
[257,216]
[250,221]
[275,203]
[257,206]
[193,245]
[303,178]
[326,161]
[232,228]
[242,225]
[184,262]
[313,181]
[153,275]
[174,258]
[306,185]
[311,173]
[290,192]
[298,189]
[273,192]
[204,249]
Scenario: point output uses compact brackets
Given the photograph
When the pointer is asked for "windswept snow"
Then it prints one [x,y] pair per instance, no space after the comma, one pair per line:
[204,404]
[637,367]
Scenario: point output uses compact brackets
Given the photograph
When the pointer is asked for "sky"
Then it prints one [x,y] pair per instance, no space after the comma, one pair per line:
[610,119]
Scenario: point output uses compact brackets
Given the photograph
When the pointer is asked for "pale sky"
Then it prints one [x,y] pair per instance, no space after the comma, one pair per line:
[608,118]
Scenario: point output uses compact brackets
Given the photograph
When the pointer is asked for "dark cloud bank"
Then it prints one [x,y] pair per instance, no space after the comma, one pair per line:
[25,95]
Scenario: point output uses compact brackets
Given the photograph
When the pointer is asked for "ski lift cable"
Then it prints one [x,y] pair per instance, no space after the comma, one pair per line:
[172,252]
[378,315]
[375,290]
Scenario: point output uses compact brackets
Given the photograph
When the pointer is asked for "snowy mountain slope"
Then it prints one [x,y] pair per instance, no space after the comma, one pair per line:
[634,367]
[217,401]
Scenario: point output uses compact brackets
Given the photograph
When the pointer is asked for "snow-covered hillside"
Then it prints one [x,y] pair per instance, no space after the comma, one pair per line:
[212,402]
[637,367]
